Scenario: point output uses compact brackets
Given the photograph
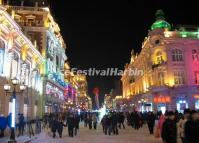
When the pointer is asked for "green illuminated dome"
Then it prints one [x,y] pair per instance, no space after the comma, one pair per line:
[160,22]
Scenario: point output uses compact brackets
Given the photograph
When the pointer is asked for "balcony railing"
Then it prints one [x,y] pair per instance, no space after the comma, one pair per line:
[158,65]
[28,8]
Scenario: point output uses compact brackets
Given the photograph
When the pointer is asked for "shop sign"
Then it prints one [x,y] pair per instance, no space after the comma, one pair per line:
[196,96]
[163,99]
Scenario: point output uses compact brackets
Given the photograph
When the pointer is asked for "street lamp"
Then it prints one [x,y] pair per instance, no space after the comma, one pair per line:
[7,88]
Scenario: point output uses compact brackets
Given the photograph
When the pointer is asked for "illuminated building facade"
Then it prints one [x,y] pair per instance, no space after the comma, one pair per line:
[20,59]
[83,100]
[169,59]
[40,27]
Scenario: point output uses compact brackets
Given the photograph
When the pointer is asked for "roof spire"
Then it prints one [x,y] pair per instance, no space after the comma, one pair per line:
[160,22]
[160,15]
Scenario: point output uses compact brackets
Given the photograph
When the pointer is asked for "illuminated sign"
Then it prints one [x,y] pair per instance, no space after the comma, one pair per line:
[196,96]
[164,99]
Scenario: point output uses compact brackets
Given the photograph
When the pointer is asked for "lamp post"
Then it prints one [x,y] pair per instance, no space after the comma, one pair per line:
[7,88]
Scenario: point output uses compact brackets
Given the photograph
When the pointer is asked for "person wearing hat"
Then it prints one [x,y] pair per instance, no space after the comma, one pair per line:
[169,130]
[192,128]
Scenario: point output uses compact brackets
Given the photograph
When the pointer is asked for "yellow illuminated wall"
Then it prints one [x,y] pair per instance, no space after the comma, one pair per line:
[34,61]
[24,51]
[155,57]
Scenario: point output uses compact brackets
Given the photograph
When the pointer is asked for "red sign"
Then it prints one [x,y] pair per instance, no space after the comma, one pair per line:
[196,96]
[164,99]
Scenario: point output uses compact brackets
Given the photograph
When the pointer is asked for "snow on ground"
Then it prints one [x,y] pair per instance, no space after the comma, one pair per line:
[85,135]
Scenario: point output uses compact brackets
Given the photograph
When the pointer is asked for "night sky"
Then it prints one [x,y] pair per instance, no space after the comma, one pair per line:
[102,33]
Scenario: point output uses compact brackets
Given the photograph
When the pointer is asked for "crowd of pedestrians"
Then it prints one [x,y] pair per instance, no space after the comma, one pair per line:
[22,125]
[169,126]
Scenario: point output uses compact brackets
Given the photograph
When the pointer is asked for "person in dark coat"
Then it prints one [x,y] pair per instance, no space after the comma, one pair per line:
[54,126]
[114,122]
[121,119]
[94,119]
[76,124]
[3,124]
[136,121]
[169,130]
[192,128]
[90,121]
[21,124]
[151,122]
[70,124]
[60,126]
[108,127]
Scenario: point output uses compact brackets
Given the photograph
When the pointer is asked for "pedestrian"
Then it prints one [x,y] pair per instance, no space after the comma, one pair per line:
[54,126]
[181,125]
[94,119]
[121,119]
[90,121]
[3,125]
[70,124]
[114,122]
[76,123]
[60,126]
[21,125]
[151,121]
[192,128]
[103,122]
[136,121]
[169,130]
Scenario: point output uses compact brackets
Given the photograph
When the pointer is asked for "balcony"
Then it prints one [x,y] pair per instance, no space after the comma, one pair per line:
[156,65]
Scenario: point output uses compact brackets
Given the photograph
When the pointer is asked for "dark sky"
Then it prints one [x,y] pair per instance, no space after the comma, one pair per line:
[102,34]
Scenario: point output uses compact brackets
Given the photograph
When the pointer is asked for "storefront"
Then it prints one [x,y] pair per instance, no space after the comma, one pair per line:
[196,99]
[54,97]
[161,102]
[181,105]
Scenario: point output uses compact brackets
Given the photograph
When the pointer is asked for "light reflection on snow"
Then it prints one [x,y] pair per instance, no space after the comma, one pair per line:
[102,112]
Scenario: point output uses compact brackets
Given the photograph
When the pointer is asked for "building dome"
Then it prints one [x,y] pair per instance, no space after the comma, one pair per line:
[160,22]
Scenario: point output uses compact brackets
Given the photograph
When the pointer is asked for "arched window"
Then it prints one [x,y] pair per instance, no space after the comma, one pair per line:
[14,65]
[159,58]
[2,53]
[194,55]
[177,55]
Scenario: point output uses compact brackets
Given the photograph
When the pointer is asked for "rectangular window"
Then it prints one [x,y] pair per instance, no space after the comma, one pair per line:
[1,60]
[196,73]
[14,69]
[179,77]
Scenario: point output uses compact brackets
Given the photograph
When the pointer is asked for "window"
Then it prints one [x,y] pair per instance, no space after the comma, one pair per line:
[57,61]
[177,55]
[161,78]
[179,77]
[157,41]
[30,22]
[159,57]
[196,73]
[2,53]
[194,55]
[14,65]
